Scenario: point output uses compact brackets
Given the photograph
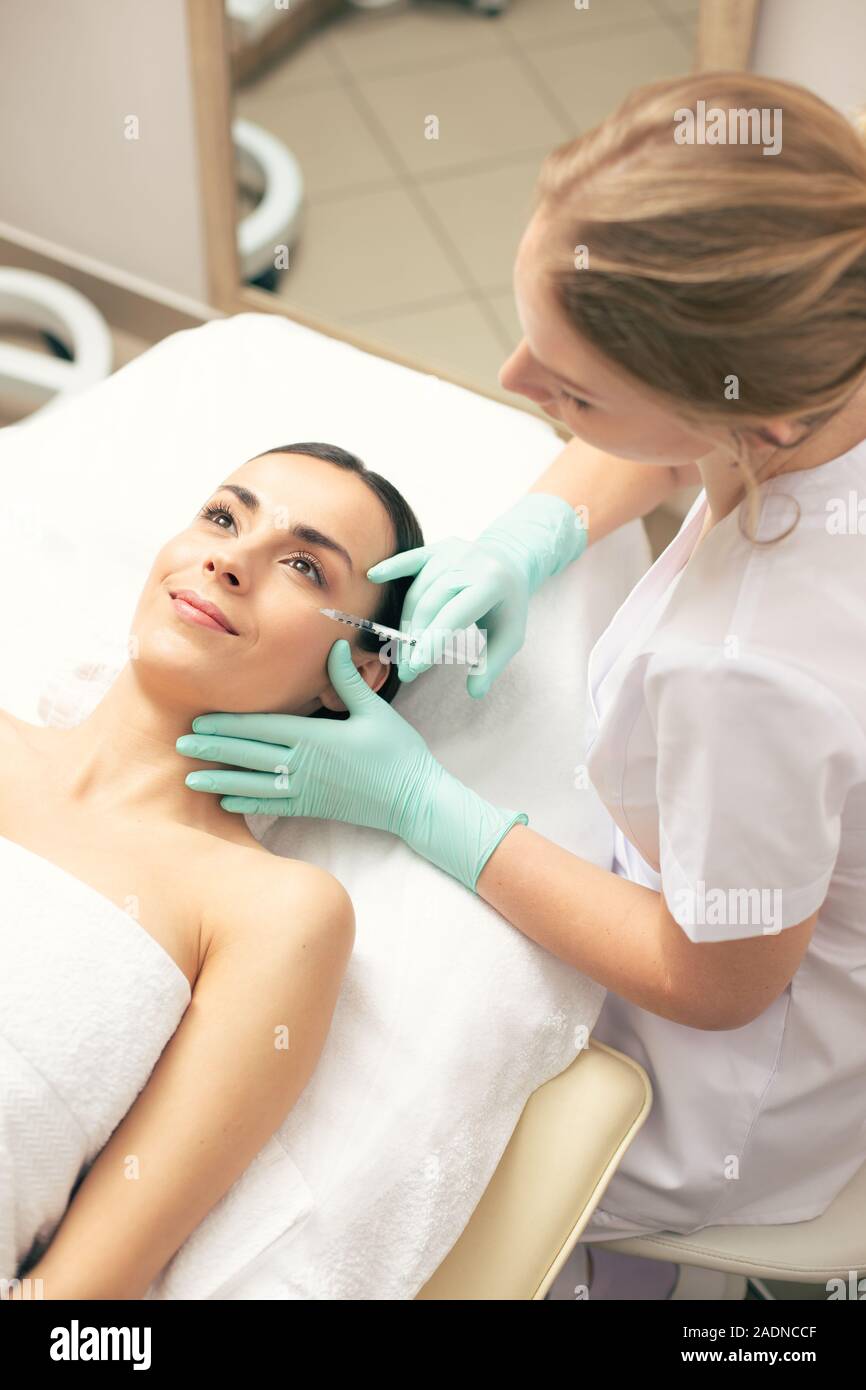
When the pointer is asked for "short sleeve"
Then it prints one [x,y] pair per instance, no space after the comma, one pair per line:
[755,760]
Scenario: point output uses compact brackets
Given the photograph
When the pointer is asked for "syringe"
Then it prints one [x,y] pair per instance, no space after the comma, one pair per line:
[368,626]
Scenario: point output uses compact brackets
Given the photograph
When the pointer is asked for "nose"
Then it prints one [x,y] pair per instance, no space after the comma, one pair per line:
[520,374]
[235,577]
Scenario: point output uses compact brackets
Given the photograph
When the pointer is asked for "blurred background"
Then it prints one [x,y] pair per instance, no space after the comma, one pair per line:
[363,165]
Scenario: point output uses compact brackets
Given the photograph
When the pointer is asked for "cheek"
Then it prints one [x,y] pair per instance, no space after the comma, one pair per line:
[180,558]
[298,638]
[288,668]
[648,438]
[603,430]
[592,425]
[670,439]
[156,585]
[155,625]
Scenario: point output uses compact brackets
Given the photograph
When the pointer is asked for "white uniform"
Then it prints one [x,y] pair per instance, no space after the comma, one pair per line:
[728,742]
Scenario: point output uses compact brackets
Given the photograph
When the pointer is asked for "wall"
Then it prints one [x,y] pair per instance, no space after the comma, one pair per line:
[820,45]
[71,71]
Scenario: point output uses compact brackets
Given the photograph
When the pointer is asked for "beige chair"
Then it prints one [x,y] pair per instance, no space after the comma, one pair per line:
[830,1246]
[565,1149]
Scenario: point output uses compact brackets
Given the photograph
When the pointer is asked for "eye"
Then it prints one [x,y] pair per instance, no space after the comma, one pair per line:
[214,510]
[574,400]
[318,575]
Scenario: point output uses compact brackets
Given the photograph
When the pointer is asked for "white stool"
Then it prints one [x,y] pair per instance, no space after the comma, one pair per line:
[268,169]
[65,317]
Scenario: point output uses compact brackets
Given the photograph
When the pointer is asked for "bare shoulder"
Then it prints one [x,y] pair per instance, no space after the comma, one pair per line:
[248,891]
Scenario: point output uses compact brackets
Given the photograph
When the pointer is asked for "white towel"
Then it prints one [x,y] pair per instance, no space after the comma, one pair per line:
[88,1001]
[449,1018]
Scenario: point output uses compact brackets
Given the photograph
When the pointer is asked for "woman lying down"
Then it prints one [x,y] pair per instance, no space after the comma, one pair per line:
[172,985]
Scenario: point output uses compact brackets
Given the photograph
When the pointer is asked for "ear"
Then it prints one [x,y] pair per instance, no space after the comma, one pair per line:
[371,669]
[777,432]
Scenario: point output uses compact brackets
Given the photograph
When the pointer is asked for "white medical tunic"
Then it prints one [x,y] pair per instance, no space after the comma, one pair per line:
[728,741]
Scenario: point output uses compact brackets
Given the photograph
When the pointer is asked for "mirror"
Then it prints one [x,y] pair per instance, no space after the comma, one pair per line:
[383,153]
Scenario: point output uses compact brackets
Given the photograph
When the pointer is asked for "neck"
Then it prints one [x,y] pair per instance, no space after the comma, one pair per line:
[122,760]
[723,480]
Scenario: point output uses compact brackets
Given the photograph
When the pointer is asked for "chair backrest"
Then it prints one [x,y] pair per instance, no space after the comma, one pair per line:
[564,1151]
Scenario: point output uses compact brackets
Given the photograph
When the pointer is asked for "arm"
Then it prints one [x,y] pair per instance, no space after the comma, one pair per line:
[623,935]
[220,1088]
[614,490]
[584,495]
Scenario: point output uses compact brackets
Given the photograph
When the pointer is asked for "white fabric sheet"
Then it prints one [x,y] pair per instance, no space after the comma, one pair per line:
[449,1018]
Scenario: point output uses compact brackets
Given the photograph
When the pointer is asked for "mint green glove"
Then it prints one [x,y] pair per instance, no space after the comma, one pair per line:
[488,581]
[371,769]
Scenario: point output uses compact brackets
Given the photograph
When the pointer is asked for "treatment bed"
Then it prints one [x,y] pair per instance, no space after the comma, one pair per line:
[405,1169]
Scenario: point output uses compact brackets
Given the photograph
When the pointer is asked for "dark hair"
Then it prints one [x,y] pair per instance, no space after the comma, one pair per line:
[407,535]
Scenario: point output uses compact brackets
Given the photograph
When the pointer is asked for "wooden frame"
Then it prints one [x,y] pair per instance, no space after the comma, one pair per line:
[726,29]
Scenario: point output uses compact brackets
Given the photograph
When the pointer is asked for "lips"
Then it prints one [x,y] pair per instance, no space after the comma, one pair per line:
[190,599]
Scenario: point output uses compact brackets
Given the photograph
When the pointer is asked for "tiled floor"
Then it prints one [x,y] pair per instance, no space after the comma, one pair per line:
[409,240]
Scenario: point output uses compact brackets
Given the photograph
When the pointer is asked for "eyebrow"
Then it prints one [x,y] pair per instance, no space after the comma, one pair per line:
[301,530]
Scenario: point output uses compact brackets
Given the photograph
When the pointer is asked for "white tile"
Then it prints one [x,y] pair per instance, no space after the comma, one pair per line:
[453,338]
[681,15]
[681,7]
[422,35]
[590,81]
[324,131]
[308,64]
[486,109]
[485,213]
[369,253]
[538,21]
[688,28]
[503,306]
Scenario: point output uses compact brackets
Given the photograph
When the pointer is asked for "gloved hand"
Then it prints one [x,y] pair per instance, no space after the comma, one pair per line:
[488,581]
[371,769]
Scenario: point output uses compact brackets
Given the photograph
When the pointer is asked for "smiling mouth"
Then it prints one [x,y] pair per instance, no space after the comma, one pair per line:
[192,608]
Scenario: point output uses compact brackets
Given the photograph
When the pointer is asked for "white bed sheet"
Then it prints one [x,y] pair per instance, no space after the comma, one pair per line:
[449,1018]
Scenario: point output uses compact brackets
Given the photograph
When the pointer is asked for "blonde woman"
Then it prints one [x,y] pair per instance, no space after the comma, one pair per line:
[695,313]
